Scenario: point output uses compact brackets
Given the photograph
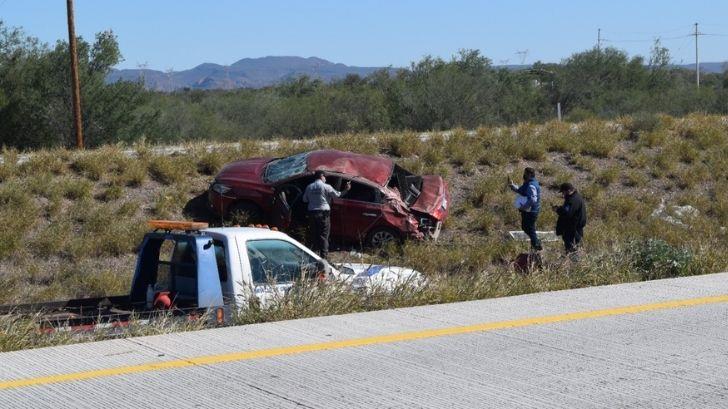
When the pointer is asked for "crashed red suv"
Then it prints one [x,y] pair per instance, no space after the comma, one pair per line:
[385,202]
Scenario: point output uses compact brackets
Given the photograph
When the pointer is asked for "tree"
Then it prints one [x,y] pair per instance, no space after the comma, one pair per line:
[35,81]
[659,65]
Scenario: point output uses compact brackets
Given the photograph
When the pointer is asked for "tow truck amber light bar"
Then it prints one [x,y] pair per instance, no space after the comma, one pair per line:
[176,225]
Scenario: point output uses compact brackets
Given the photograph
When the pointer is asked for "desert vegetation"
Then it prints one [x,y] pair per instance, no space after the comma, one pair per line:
[431,94]
[71,219]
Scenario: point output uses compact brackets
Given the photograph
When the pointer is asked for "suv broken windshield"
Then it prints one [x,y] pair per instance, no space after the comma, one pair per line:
[285,168]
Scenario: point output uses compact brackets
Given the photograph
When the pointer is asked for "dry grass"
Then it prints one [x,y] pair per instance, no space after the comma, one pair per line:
[73,219]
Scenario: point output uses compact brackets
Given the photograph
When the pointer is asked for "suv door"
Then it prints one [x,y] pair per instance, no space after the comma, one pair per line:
[356,212]
[288,206]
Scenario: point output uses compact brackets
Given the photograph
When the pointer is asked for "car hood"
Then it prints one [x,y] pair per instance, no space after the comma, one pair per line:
[244,170]
[434,198]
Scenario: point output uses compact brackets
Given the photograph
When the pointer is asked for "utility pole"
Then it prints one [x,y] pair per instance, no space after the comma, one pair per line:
[75,86]
[599,39]
[697,64]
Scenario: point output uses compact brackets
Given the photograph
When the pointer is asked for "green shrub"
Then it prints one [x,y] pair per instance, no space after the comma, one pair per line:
[461,148]
[46,161]
[634,178]
[113,192]
[608,176]
[169,170]
[18,214]
[582,163]
[209,163]
[91,165]
[579,115]
[653,139]
[402,145]
[53,239]
[687,153]
[705,131]
[359,143]
[169,203]
[665,161]
[134,174]
[75,189]
[642,122]
[9,165]
[487,189]
[597,139]
[656,259]
[558,137]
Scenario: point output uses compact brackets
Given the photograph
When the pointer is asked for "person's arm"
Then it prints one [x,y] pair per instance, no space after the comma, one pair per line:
[568,210]
[331,192]
[512,186]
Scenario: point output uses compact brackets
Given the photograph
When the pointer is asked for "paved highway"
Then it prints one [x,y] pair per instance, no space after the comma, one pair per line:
[657,344]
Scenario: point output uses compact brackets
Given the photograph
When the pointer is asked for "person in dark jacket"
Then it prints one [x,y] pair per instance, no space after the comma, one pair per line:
[572,217]
[531,206]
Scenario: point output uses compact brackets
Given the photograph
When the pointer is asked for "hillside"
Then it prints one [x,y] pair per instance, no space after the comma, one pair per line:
[73,219]
[245,73]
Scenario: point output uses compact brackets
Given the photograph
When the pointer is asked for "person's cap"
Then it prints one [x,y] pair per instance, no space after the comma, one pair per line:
[566,187]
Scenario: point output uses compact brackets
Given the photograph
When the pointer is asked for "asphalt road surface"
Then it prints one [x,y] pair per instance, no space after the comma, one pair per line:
[657,344]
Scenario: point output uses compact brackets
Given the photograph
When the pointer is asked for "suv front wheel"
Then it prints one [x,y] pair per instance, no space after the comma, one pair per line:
[381,236]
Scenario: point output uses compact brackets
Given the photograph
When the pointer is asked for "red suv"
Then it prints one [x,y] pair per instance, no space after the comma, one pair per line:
[385,202]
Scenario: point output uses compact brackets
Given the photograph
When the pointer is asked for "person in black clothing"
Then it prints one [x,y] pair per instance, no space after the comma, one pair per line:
[572,217]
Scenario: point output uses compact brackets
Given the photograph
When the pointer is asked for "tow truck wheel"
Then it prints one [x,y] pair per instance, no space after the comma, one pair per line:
[381,236]
[245,213]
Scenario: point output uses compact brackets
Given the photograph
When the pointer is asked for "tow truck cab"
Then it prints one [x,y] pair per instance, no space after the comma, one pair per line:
[218,267]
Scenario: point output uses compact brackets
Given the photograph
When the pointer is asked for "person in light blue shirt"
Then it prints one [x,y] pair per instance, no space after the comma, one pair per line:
[531,207]
[318,196]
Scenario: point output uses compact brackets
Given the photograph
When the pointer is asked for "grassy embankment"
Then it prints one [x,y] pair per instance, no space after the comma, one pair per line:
[71,220]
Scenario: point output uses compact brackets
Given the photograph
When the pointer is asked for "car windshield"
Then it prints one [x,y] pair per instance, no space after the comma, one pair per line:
[285,168]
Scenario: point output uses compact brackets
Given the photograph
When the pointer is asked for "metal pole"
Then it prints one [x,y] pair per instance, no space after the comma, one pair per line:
[599,39]
[697,65]
[75,86]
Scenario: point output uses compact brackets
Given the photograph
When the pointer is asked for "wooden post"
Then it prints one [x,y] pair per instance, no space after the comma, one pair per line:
[75,86]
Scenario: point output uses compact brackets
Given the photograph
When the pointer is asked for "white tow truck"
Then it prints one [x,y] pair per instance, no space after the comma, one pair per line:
[186,268]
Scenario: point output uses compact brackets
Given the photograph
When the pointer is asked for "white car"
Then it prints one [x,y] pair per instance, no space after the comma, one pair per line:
[368,277]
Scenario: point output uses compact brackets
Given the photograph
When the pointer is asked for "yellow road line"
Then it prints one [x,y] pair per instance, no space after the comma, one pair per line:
[357,342]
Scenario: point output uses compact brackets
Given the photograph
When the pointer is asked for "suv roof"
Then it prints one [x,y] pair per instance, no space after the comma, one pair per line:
[375,168]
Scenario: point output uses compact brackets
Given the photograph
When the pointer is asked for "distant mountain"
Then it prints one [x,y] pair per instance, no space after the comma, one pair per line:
[709,67]
[246,73]
[268,71]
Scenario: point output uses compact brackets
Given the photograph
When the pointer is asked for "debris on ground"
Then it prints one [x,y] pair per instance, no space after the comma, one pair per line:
[674,214]
[519,235]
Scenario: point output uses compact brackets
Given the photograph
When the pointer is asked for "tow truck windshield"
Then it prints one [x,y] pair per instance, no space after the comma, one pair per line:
[284,168]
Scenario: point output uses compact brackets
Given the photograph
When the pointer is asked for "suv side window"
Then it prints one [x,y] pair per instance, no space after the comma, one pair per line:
[363,193]
[277,261]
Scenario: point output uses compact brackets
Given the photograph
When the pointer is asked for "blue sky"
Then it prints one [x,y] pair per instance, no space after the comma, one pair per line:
[165,34]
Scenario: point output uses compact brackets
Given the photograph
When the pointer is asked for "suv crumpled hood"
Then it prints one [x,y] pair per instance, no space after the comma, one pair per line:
[244,170]
[434,198]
